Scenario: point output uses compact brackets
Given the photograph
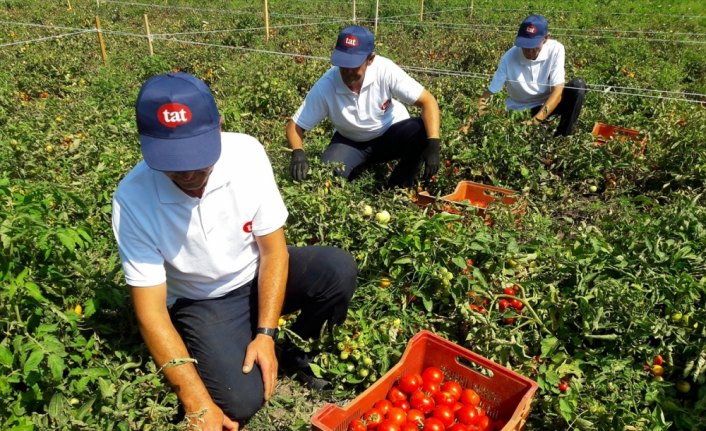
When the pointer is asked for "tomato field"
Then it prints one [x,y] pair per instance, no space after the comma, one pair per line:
[593,283]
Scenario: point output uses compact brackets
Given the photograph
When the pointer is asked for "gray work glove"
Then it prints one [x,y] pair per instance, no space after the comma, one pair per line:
[430,155]
[299,165]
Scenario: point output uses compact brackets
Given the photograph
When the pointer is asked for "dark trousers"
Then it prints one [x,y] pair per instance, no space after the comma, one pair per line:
[569,108]
[404,141]
[217,331]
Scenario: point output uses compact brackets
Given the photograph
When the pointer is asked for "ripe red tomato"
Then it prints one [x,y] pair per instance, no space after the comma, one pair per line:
[433,424]
[383,406]
[484,422]
[422,402]
[517,304]
[431,388]
[658,360]
[415,416]
[395,394]
[433,374]
[445,414]
[470,397]
[443,398]
[388,426]
[509,320]
[357,425]
[373,417]
[396,415]
[410,382]
[409,426]
[454,388]
[404,405]
[467,415]
[563,387]
[509,291]
[503,304]
[457,427]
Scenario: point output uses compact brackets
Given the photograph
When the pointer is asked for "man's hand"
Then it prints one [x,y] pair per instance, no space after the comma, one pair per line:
[211,419]
[299,166]
[261,350]
[430,155]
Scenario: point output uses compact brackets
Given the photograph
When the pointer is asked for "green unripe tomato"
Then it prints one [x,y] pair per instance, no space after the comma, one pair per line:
[683,386]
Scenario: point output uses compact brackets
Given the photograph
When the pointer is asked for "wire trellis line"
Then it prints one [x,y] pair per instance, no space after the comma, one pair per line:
[43,39]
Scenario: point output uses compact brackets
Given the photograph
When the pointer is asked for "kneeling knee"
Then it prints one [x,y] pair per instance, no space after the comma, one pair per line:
[243,405]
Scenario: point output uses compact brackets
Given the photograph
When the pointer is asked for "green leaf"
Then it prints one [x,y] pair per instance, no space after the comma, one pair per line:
[56,365]
[32,362]
[57,408]
[402,261]
[66,239]
[33,291]
[5,357]
[548,346]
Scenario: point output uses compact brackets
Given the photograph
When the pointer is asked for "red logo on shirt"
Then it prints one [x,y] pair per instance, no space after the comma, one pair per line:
[173,114]
[350,41]
[247,227]
[531,29]
[386,105]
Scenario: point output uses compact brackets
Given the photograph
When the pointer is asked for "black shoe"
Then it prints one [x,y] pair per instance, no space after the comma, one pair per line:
[296,362]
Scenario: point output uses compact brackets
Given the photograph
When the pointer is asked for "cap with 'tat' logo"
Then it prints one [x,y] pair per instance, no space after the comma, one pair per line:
[178,123]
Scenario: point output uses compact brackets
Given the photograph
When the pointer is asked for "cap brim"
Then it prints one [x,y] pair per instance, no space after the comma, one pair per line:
[524,42]
[185,154]
[344,59]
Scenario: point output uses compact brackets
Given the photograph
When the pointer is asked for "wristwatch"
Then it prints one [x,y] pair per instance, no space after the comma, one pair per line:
[272,332]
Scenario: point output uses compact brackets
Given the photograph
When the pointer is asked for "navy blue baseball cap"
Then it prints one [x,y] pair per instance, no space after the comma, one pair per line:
[532,31]
[178,123]
[353,46]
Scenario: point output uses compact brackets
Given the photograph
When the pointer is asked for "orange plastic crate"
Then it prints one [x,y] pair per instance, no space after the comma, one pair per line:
[504,394]
[471,193]
[606,132]
[479,195]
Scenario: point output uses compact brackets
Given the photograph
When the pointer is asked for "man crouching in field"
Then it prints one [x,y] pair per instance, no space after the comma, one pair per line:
[199,226]
[533,74]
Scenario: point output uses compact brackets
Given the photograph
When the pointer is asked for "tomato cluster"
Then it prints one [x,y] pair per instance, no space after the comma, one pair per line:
[505,304]
[427,402]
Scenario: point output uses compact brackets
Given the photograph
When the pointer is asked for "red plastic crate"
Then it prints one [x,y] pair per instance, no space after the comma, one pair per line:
[606,132]
[504,394]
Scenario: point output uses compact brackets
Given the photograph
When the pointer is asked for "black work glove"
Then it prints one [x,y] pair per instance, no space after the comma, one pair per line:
[430,155]
[299,166]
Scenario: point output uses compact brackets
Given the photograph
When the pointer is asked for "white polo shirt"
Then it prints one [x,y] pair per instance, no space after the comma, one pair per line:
[365,116]
[529,82]
[203,248]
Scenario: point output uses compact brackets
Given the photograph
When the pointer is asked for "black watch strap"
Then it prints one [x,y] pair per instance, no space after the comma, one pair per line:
[272,332]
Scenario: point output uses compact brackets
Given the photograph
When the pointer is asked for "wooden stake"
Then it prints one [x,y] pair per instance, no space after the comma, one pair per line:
[354,13]
[377,10]
[101,41]
[267,22]
[471,9]
[149,35]
[421,10]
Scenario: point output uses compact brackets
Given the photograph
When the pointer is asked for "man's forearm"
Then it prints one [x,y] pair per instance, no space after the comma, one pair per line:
[272,278]
[550,105]
[295,135]
[166,346]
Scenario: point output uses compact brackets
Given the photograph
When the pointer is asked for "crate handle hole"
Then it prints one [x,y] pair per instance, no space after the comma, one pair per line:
[475,367]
